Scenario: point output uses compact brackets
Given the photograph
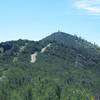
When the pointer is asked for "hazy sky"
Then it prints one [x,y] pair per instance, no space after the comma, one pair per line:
[35,19]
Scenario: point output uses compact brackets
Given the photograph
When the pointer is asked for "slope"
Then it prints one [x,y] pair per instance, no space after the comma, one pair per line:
[69,69]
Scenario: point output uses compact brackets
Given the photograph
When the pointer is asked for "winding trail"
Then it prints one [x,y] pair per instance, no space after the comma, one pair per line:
[45,48]
[34,55]
[21,49]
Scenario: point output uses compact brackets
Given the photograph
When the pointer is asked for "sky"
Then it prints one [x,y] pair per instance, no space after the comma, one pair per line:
[36,19]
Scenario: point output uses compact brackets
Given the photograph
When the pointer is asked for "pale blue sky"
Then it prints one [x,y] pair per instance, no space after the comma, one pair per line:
[35,19]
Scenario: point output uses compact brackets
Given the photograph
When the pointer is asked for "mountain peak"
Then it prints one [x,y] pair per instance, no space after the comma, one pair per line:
[60,37]
[60,33]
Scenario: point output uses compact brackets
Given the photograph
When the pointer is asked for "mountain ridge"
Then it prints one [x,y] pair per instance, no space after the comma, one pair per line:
[68,69]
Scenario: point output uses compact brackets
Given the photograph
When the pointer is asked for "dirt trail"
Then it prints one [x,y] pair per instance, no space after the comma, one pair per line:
[34,56]
[45,48]
[21,49]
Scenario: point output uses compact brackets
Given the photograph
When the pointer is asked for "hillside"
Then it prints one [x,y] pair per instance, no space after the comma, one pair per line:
[58,67]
